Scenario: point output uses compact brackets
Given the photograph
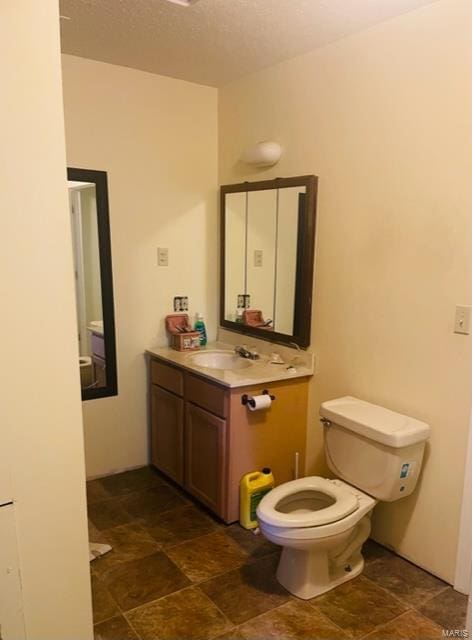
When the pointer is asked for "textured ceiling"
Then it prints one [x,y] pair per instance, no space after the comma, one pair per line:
[213,41]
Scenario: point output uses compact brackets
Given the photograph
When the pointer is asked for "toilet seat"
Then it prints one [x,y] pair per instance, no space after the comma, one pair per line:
[304,497]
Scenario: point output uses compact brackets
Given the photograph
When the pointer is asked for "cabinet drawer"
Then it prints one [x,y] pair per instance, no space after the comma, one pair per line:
[206,395]
[167,377]
[98,345]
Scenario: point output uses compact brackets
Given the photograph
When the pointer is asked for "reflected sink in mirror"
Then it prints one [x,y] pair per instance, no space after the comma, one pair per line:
[220,360]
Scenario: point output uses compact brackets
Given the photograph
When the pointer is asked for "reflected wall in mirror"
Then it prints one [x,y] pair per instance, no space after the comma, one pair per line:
[267,258]
[88,208]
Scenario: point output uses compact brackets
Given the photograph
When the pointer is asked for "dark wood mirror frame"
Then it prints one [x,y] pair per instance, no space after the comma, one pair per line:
[305,260]
[99,178]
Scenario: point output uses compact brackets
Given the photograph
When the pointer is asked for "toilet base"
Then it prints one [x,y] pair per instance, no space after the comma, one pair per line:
[307,574]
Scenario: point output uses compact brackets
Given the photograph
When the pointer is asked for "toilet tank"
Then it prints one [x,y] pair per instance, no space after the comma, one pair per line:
[375,449]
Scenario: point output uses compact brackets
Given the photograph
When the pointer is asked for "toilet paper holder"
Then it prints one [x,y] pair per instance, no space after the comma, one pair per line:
[246,399]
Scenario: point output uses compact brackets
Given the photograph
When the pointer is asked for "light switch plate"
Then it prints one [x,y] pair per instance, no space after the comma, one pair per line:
[162,257]
[462,320]
[258,257]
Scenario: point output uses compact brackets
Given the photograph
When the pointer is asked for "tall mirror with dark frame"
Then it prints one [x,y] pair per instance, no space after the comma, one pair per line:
[267,258]
[89,216]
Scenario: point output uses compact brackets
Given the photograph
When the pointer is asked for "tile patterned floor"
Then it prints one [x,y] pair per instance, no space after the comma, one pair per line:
[176,573]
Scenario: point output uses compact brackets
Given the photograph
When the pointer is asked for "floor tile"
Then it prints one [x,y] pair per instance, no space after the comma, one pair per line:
[104,606]
[132,481]
[138,582]
[373,551]
[178,525]
[294,620]
[255,546]
[232,634]
[128,542]
[186,615]
[114,629]
[409,626]
[93,532]
[406,581]
[358,606]
[247,592]
[151,501]
[107,514]
[448,609]
[96,492]
[207,556]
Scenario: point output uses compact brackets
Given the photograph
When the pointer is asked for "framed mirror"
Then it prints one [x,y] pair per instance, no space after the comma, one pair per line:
[267,258]
[89,216]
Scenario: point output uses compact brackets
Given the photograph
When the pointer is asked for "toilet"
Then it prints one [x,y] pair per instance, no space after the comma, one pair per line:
[376,455]
[86,372]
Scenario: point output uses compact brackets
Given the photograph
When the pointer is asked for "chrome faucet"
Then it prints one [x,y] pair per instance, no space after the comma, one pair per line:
[246,353]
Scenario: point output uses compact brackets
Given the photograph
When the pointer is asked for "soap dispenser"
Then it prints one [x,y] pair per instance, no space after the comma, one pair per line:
[200,327]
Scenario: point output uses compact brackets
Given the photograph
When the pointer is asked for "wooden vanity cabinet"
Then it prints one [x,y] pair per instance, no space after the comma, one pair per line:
[205,457]
[98,359]
[167,441]
[205,439]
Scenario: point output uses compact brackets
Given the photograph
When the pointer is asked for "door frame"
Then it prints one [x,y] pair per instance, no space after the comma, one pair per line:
[463,573]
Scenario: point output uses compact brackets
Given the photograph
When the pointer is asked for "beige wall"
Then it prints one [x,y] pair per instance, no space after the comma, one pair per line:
[384,118]
[41,425]
[156,138]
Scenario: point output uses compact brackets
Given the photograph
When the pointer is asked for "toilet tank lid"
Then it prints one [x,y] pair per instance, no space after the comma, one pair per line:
[376,423]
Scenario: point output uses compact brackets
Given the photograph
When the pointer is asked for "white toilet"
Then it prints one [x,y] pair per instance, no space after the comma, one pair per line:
[322,524]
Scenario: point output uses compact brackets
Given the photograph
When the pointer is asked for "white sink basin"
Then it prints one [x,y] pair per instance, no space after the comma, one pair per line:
[220,360]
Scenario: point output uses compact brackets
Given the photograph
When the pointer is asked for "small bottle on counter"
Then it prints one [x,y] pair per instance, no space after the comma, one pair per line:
[200,327]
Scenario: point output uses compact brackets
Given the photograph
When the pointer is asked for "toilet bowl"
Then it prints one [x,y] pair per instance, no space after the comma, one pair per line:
[321,523]
[86,373]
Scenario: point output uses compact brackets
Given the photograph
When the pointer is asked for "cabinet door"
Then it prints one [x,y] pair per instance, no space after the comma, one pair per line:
[167,420]
[205,457]
[99,372]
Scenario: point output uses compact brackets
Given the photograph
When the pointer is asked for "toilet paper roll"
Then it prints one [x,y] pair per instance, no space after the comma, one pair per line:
[256,403]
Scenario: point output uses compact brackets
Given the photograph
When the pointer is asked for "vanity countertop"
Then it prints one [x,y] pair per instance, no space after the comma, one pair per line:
[258,371]
[96,326]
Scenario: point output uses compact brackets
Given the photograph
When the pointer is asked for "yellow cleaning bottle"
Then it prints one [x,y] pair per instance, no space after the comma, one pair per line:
[252,489]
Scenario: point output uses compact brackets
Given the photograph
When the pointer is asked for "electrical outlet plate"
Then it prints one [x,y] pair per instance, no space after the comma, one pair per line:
[258,257]
[163,257]
[462,320]
[180,303]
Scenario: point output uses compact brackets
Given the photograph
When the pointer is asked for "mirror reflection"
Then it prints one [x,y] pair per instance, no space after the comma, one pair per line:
[83,211]
[96,353]
[268,248]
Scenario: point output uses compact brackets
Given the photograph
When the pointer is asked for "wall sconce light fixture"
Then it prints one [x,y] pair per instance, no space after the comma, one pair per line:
[262,154]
